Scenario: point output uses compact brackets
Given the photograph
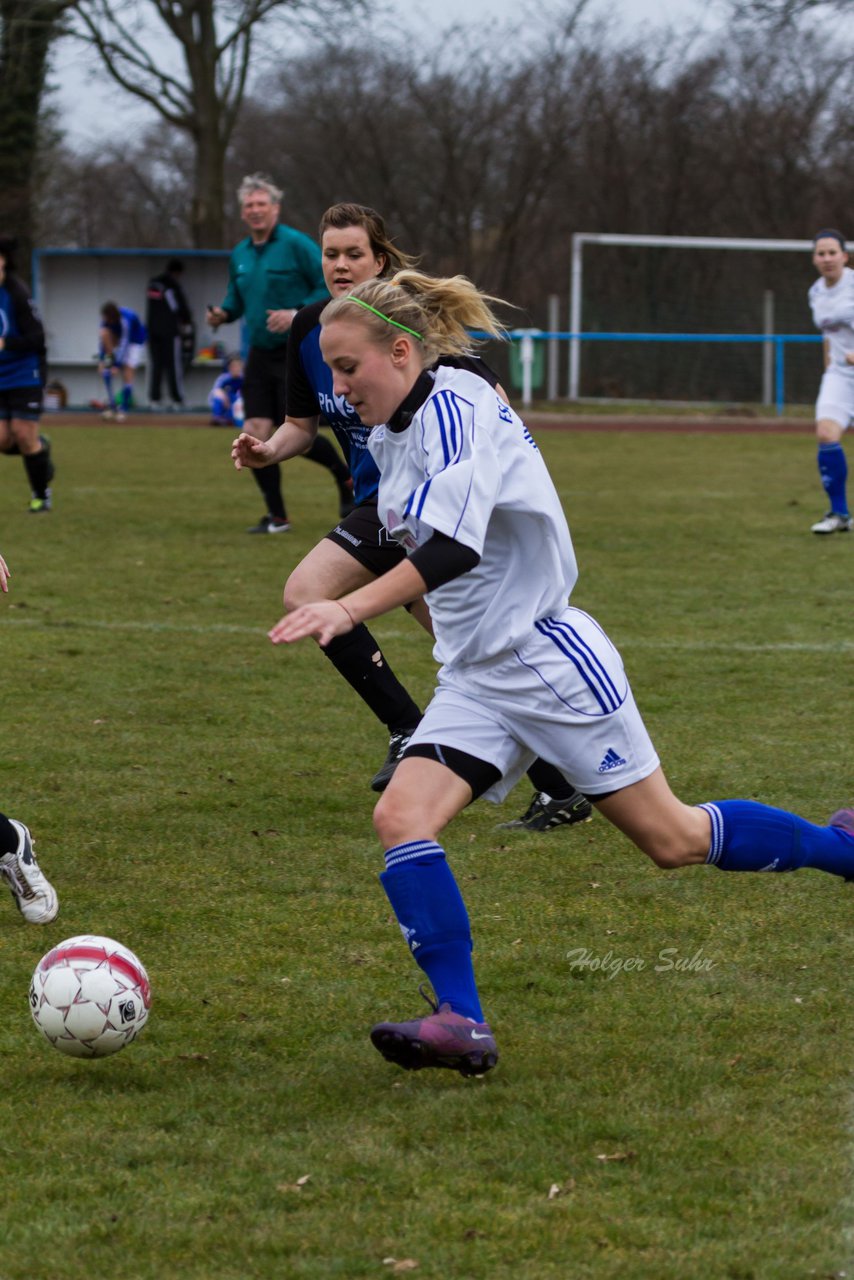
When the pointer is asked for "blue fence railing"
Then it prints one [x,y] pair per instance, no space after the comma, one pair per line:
[777,341]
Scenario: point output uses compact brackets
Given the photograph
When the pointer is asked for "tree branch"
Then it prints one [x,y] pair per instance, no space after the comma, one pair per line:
[169,96]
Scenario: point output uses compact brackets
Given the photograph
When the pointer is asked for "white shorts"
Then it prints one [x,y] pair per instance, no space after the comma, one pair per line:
[133,355]
[836,397]
[563,696]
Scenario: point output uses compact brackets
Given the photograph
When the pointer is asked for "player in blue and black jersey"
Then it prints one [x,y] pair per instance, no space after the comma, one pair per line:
[22,378]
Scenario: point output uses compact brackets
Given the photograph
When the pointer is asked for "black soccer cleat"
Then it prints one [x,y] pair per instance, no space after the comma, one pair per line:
[544,813]
[397,744]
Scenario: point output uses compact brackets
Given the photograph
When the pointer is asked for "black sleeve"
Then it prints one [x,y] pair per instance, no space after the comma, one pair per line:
[30,335]
[472,364]
[441,559]
[185,315]
[300,395]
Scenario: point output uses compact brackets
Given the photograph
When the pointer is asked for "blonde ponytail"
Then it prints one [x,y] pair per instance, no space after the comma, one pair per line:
[438,311]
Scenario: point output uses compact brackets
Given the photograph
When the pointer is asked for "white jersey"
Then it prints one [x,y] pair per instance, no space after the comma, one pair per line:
[833,313]
[467,467]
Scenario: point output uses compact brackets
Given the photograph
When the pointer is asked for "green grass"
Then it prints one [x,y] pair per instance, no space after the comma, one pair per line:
[203,798]
[605,407]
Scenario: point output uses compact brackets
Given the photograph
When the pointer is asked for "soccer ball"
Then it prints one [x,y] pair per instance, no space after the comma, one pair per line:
[90,996]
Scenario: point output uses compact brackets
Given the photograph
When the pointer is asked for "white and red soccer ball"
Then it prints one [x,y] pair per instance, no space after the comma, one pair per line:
[90,996]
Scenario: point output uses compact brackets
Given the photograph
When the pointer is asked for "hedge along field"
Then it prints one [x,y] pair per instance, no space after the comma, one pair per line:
[674,1092]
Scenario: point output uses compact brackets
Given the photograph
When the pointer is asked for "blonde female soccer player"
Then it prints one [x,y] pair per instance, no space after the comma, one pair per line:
[464,489]
[831,299]
[356,247]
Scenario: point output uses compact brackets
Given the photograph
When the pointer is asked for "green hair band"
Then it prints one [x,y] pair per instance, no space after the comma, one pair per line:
[387,319]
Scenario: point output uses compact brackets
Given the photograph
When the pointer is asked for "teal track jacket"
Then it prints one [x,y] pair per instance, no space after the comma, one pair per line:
[283,272]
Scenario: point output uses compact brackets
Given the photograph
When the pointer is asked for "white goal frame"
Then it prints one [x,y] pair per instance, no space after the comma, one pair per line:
[581,238]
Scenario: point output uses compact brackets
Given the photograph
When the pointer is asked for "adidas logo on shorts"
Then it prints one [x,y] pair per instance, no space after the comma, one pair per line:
[610,761]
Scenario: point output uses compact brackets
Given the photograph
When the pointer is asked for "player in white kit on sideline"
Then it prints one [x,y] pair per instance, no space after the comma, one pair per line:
[831,300]
[464,489]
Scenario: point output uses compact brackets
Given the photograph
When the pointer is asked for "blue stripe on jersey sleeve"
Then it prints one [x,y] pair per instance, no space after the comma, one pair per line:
[449,418]
[447,427]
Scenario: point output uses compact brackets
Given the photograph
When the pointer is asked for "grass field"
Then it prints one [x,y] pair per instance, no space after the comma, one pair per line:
[203,798]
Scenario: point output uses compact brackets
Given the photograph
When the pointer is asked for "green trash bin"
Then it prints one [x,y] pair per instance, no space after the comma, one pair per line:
[523,347]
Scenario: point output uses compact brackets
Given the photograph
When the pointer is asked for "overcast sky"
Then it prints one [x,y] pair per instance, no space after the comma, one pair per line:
[90,107]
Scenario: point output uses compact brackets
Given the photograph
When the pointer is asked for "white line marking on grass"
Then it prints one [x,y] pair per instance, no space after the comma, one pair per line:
[739,646]
[96,624]
[228,628]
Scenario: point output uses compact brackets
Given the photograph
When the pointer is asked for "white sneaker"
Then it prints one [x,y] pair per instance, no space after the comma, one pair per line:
[120,415]
[833,523]
[108,415]
[34,894]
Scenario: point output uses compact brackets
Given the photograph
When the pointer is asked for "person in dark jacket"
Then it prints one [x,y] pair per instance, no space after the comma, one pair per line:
[22,379]
[169,322]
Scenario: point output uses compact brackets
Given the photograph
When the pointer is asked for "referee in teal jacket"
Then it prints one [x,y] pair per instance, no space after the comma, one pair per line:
[272,273]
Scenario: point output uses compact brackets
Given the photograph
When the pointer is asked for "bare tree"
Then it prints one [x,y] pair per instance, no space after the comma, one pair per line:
[785,13]
[27,29]
[485,159]
[116,196]
[210,45]
[460,152]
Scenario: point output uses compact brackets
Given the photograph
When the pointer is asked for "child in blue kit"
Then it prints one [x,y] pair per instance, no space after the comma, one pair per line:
[226,396]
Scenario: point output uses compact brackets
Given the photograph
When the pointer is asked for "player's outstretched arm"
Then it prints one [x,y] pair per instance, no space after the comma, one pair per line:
[292,439]
[5,575]
[326,619]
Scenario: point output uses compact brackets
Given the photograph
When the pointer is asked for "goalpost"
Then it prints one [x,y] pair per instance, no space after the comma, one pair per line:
[581,238]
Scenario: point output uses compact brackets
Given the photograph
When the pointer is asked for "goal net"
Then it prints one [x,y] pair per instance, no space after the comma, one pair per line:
[690,286]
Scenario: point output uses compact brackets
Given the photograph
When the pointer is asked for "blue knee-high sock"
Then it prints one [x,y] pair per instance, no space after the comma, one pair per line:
[747,836]
[433,919]
[107,378]
[833,469]
[126,397]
